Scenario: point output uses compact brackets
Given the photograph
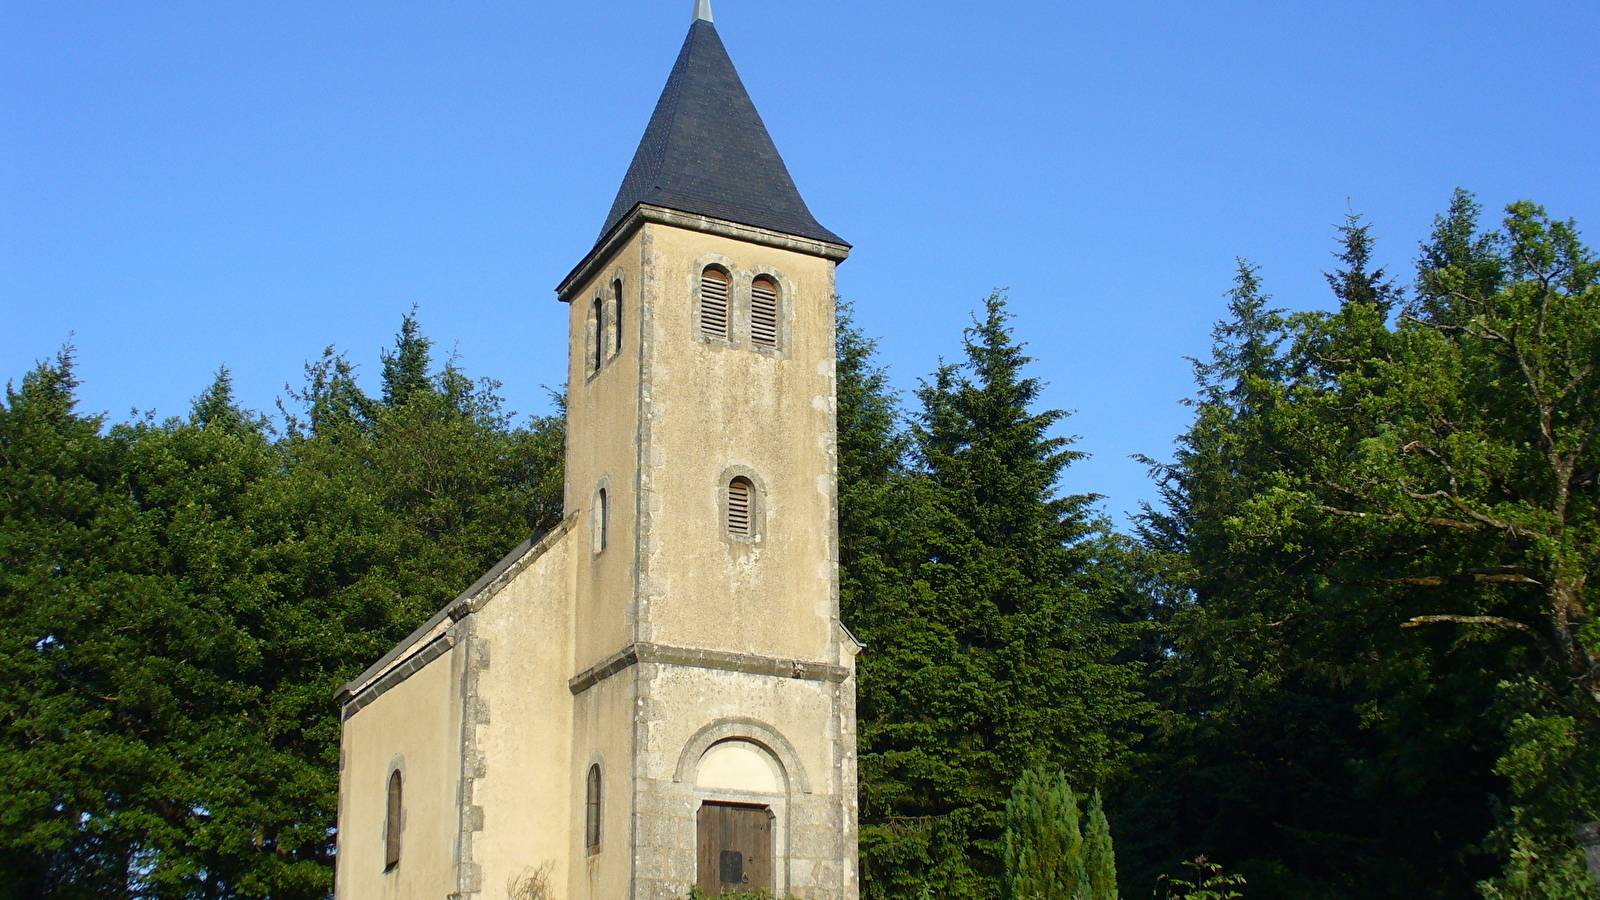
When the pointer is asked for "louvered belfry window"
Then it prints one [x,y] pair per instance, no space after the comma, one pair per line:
[391,824]
[739,499]
[764,312]
[714,304]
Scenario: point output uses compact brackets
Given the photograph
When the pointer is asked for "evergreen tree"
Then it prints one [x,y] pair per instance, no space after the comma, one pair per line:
[1353,520]
[874,481]
[178,601]
[55,834]
[997,648]
[1052,849]
[1099,856]
[405,369]
[1044,843]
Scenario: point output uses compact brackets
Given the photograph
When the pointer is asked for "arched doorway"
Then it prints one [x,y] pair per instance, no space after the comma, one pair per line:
[741,789]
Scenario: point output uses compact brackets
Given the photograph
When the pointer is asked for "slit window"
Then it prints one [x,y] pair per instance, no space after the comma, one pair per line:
[391,823]
[597,332]
[764,312]
[616,316]
[602,513]
[591,810]
[739,491]
[714,303]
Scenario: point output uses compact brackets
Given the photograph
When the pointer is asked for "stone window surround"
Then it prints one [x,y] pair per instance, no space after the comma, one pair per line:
[616,290]
[609,332]
[739,281]
[758,505]
[596,762]
[600,523]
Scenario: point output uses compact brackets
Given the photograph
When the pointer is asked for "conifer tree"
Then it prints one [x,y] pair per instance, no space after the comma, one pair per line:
[405,368]
[999,651]
[1370,526]
[179,599]
[1044,842]
[1099,856]
[52,521]
[873,479]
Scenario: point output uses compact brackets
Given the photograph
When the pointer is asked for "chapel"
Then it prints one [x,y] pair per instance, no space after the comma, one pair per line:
[657,695]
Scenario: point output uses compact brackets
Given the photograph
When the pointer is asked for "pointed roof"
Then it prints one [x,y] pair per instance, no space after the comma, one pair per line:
[707,152]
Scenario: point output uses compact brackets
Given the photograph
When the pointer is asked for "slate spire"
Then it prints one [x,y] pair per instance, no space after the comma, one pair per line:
[707,152]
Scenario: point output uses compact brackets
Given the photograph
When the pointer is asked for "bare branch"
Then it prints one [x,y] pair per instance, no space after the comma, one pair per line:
[1491,621]
[1474,577]
[1398,517]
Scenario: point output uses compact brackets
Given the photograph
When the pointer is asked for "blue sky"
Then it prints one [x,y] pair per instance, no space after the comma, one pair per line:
[185,185]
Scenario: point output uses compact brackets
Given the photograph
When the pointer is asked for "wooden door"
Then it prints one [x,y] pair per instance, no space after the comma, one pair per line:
[735,848]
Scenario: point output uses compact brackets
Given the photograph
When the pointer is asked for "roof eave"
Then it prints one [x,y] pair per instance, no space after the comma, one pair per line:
[661,215]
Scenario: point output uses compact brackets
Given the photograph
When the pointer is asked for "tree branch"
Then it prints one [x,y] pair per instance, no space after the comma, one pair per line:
[1491,621]
[1493,577]
[1400,517]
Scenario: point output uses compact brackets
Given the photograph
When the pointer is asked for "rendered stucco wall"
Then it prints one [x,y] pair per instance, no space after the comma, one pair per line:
[603,734]
[722,408]
[520,759]
[706,410]
[641,657]
[602,449]
[387,733]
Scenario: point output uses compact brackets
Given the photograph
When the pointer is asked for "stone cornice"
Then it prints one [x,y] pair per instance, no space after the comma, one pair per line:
[720,660]
[633,221]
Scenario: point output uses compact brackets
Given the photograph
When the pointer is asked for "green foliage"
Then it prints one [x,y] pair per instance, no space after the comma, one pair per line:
[1378,535]
[1352,653]
[1051,850]
[988,601]
[179,600]
[1044,847]
[1099,856]
[1209,882]
[696,894]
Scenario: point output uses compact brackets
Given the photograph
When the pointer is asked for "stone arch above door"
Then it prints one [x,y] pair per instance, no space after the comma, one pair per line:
[745,729]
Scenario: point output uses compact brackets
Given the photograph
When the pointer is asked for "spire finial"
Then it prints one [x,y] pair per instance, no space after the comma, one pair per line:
[702,10]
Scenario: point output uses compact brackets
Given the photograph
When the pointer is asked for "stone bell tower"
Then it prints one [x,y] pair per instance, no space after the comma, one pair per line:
[658,694]
[701,422]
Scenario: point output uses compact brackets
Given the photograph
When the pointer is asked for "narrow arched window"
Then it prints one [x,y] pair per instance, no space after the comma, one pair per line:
[591,810]
[602,515]
[391,823]
[739,499]
[764,312]
[714,303]
[597,333]
[616,316]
